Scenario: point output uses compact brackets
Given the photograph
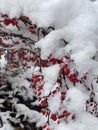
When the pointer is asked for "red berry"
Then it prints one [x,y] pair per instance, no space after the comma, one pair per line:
[39,93]
[40,87]
[67,57]
[62,98]
[43,112]
[53,117]
[64,66]
[7,22]
[23,41]
[37,80]
[26,18]
[73,116]
[44,103]
[14,21]
[88,89]
[77,81]
[53,92]
[58,122]
[48,129]
[66,113]
[59,80]
[3,15]
[72,77]
[31,27]
[67,72]
[53,61]
[63,95]
[39,99]
[60,61]
[35,76]
[85,77]
[62,116]
[33,31]
[44,126]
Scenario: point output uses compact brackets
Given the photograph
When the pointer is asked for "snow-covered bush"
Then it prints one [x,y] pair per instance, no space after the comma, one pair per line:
[48,58]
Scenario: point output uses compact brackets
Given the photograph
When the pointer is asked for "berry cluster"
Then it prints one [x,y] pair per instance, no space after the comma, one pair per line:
[13,21]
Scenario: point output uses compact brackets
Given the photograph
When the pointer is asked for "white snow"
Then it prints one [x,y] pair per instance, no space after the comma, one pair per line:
[84,122]
[50,76]
[51,73]
[75,100]
[33,116]
[54,103]
[4,116]
[2,61]
[75,21]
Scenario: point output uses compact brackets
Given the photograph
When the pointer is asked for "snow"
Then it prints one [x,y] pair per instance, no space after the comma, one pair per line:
[75,21]
[31,115]
[84,122]
[50,76]
[4,116]
[7,127]
[22,109]
[75,100]
[51,73]
[54,103]
[2,61]
[20,84]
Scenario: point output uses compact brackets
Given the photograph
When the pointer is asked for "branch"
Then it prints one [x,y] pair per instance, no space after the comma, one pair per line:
[17,35]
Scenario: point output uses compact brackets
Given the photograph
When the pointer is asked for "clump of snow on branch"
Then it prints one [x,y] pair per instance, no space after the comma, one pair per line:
[21,84]
[5,116]
[75,100]
[50,76]
[2,62]
[31,115]
[54,103]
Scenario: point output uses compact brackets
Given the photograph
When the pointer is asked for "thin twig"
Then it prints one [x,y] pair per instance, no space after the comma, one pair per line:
[16,35]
